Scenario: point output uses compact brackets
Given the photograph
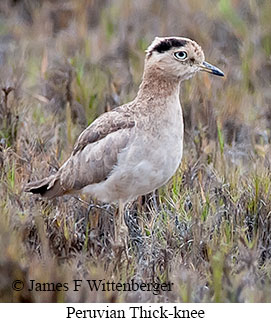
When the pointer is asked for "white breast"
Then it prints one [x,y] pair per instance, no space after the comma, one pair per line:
[149,161]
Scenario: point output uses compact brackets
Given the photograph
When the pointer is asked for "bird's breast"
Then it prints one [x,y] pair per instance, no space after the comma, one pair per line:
[150,158]
[157,147]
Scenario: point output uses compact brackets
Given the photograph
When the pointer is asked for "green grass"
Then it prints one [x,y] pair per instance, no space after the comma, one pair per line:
[208,230]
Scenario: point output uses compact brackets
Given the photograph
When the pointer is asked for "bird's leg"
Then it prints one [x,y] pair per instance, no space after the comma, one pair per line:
[121,230]
[121,214]
[140,209]
[94,219]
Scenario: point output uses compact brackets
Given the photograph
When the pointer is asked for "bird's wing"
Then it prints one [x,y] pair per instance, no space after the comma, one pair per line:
[94,156]
[96,151]
[107,123]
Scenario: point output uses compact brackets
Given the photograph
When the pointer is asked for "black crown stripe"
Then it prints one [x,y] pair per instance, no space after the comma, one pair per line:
[167,44]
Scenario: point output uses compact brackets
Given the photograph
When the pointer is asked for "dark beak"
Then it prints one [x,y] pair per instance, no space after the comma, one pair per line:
[211,69]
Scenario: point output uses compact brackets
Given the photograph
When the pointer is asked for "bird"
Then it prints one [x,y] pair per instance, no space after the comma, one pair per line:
[135,148]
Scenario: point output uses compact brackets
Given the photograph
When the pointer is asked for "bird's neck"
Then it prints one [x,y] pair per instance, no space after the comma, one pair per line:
[158,85]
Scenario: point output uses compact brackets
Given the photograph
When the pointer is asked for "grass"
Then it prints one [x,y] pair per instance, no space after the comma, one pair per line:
[208,230]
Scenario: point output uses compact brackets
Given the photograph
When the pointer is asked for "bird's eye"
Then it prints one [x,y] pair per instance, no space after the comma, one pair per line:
[180,55]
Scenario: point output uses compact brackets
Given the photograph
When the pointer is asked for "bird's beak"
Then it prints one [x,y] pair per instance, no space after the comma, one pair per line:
[211,69]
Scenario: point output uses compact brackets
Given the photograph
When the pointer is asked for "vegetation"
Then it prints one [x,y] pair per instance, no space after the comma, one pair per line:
[208,231]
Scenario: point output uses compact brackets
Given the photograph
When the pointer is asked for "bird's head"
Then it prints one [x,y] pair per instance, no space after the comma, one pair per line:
[178,57]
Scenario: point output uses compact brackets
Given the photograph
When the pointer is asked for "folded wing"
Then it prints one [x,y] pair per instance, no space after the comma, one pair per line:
[94,156]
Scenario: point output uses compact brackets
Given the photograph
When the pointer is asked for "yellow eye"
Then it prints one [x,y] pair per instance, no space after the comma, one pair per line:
[182,55]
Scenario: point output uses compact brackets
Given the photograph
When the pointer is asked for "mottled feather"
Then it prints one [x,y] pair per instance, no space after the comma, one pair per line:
[94,162]
[112,121]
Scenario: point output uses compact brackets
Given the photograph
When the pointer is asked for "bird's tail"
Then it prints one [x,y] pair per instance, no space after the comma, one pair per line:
[47,187]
